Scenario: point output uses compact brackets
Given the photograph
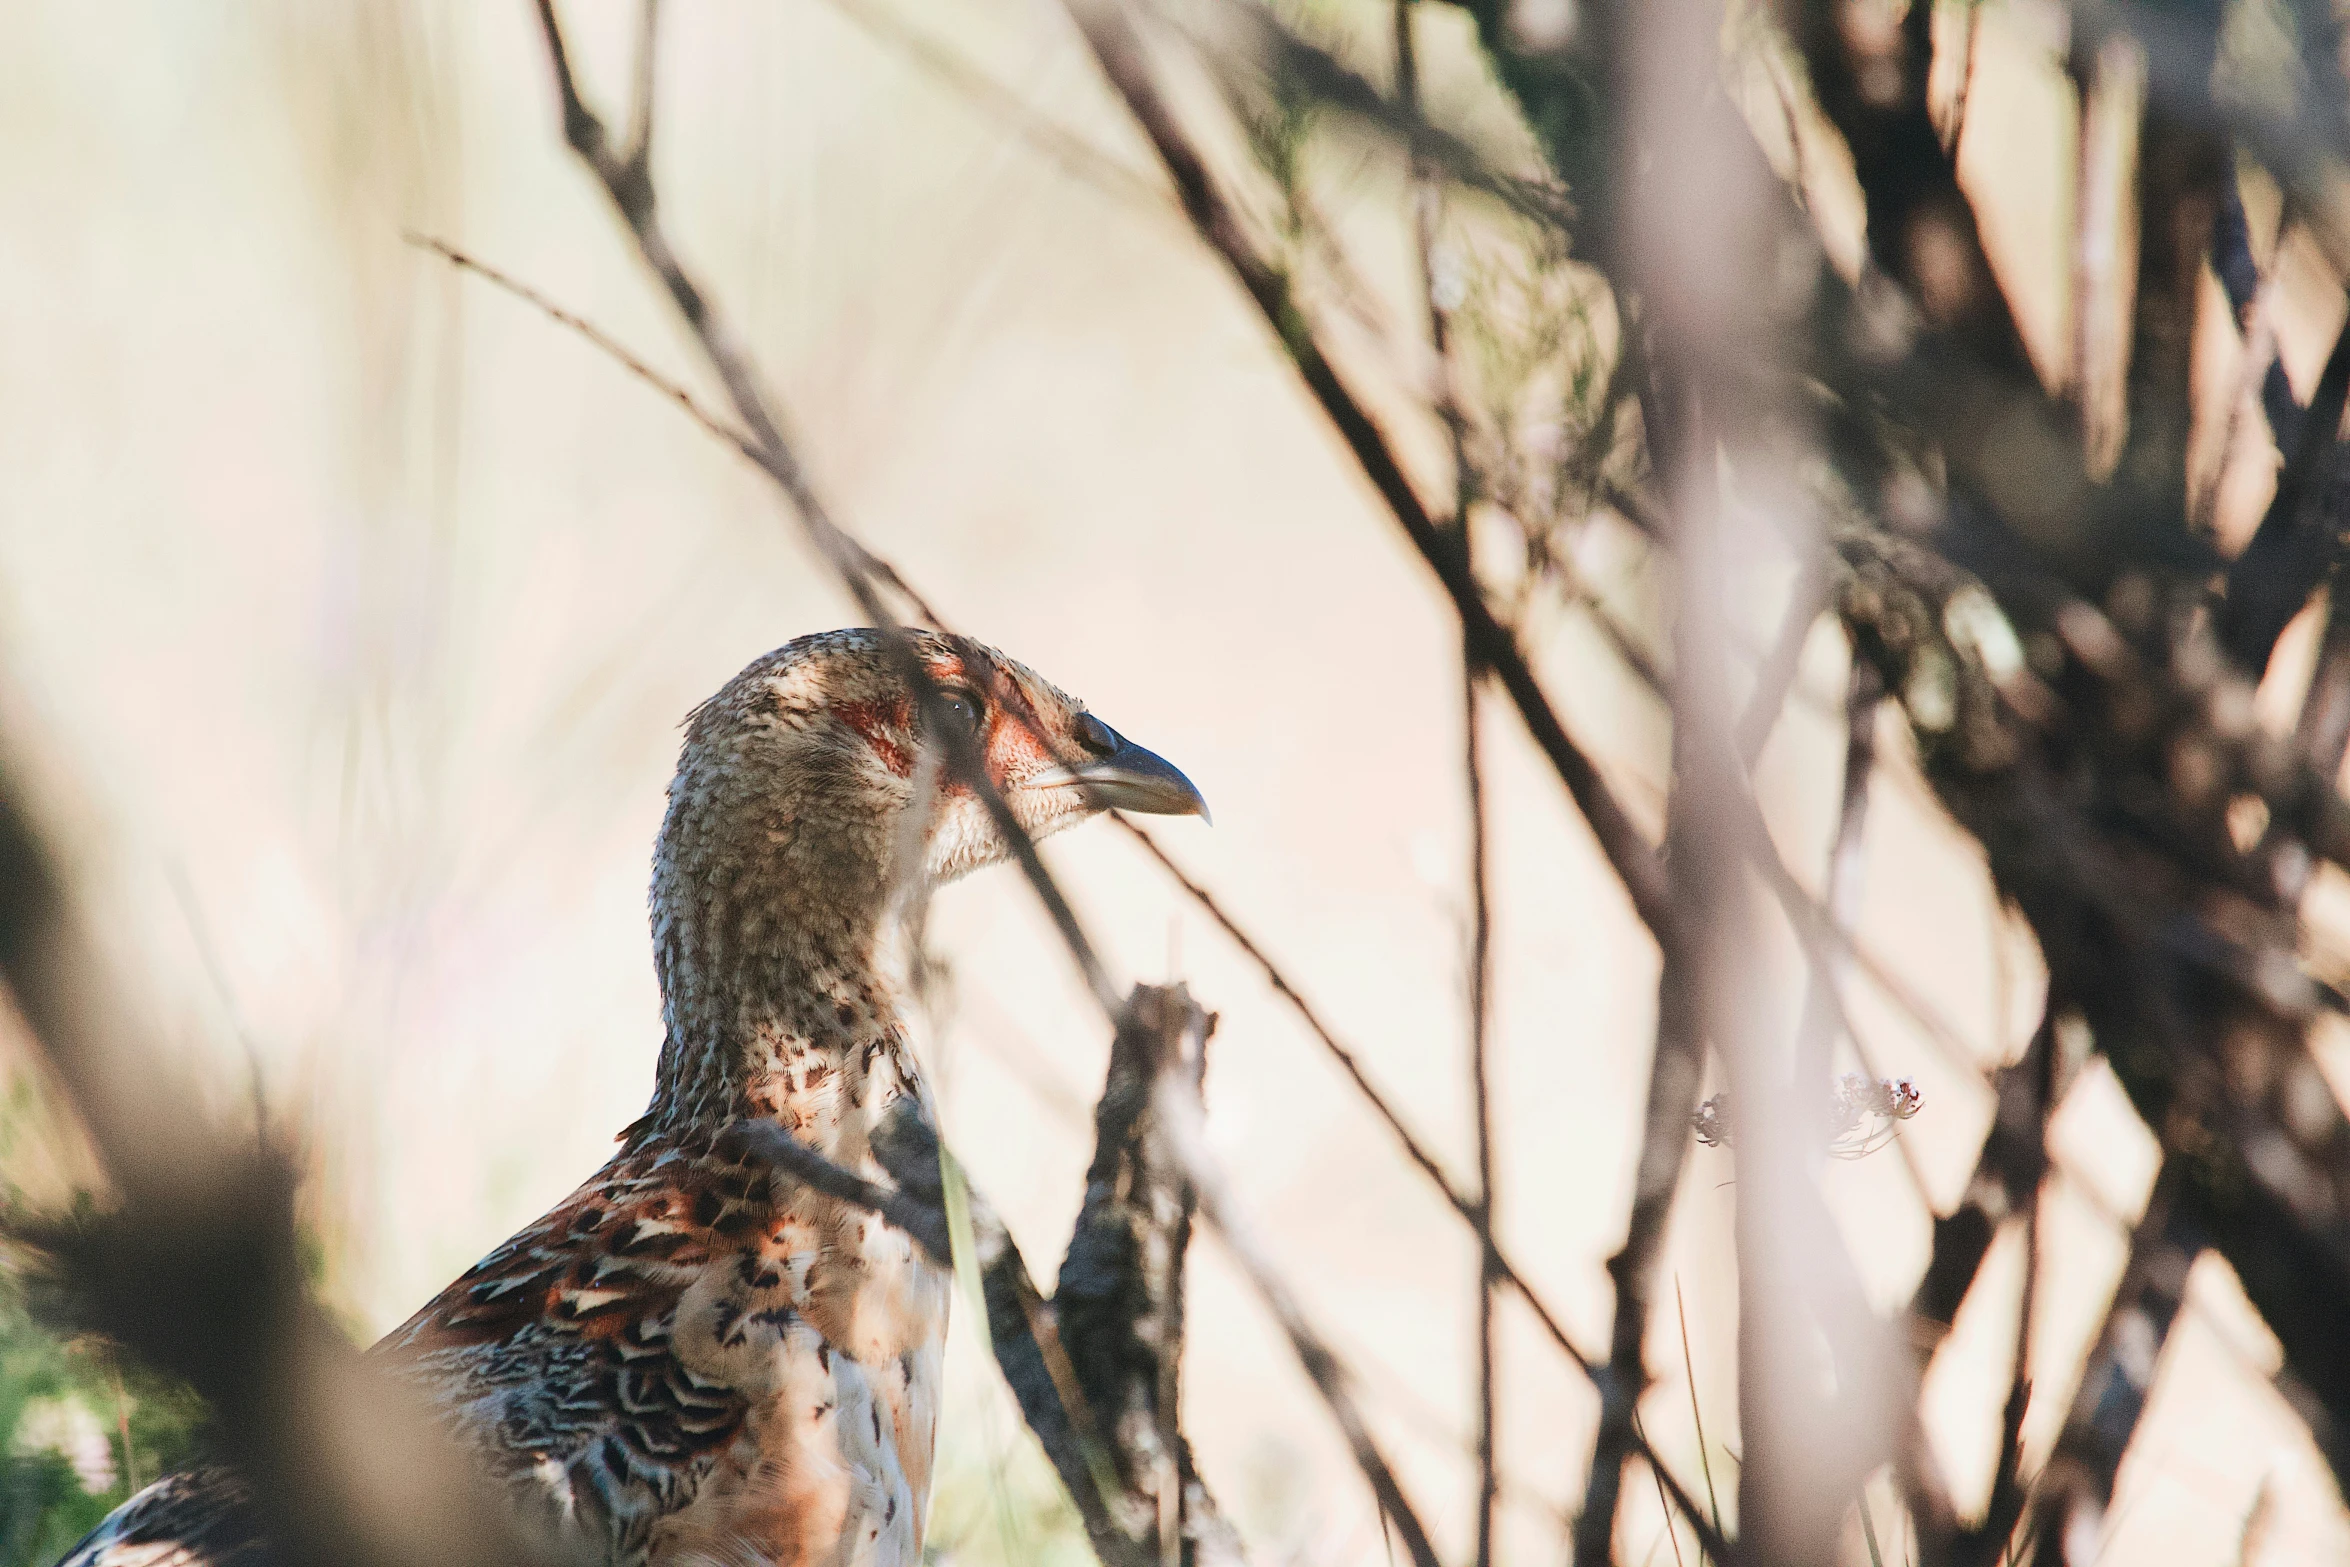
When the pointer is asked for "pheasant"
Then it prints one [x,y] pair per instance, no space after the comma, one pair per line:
[689,1360]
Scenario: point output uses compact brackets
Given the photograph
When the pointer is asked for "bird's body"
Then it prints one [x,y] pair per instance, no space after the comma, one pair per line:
[688,1360]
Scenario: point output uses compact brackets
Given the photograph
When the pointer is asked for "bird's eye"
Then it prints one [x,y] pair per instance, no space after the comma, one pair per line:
[1097,737]
[961,708]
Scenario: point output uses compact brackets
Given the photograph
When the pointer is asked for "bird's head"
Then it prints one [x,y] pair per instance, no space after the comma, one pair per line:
[815,781]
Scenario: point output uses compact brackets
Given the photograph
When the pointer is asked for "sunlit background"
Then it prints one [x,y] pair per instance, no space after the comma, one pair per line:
[348,610]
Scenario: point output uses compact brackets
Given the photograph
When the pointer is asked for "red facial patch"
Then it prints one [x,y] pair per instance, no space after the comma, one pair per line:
[879,725]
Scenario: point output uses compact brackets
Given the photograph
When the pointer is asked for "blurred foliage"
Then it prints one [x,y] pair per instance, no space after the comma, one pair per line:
[997,1503]
[80,1429]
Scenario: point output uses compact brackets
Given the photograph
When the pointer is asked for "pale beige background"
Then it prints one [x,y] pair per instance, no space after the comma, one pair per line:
[349,611]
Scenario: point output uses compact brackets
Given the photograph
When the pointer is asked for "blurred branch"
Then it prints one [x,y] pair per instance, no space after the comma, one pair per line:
[2075,1489]
[1870,82]
[1278,51]
[1109,31]
[627,178]
[2239,275]
[1460,1202]
[1177,1104]
[1427,211]
[194,1266]
[1070,152]
[1704,218]
[2299,536]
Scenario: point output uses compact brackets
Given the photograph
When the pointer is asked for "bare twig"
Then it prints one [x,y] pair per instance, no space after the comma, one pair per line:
[194,1266]
[2076,1488]
[1110,32]
[1480,1076]
[1816,1035]
[1427,199]
[1070,152]
[465,261]
[2295,545]
[1179,1111]
[1460,1202]
[626,176]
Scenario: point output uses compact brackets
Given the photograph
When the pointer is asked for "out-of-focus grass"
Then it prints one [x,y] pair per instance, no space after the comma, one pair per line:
[79,1430]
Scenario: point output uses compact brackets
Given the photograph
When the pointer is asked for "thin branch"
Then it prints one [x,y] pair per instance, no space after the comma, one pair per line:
[2295,545]
[465,261]
[1675,1073]
[764,1140]
[2078,1481]
[1782,663]
[627,180]
[1817,1033]
[1418,1154]
[1074,155]
[1179,1111]
[1109,31]
[1480,1076]
[1427,206]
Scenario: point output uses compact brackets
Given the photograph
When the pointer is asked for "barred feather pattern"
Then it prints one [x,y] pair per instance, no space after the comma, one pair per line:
[689,1360]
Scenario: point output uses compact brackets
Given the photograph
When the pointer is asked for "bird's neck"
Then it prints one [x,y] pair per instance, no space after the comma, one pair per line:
[774,1009]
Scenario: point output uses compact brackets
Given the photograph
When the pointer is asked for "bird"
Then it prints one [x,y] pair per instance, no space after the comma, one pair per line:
[692,1359]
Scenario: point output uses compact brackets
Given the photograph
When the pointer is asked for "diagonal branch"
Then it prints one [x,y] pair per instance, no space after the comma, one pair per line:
[626,176]
[846,1188]
[195,1267]
[1177,1104]
[2074,1491]
[1417,1152]
[1109,31]
[2298,537]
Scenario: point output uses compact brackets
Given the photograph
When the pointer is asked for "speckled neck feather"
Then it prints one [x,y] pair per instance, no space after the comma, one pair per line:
[769,883]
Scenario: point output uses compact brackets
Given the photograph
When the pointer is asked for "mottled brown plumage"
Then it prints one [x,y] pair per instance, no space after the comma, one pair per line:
[686,1361]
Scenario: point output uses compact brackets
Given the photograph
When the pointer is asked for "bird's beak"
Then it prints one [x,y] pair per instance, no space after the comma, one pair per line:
[1130,779]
